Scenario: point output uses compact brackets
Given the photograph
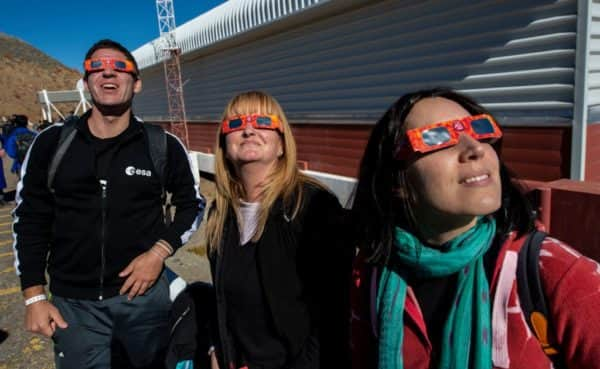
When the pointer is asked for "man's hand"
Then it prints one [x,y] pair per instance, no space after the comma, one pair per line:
[42,317]
[142,272]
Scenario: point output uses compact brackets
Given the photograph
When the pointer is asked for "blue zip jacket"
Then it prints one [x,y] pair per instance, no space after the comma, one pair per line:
[11,147]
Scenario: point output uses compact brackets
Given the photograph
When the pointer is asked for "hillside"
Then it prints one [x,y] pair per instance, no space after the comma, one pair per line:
[24,70]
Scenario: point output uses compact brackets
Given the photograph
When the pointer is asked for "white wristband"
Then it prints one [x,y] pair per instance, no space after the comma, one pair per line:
[35,299]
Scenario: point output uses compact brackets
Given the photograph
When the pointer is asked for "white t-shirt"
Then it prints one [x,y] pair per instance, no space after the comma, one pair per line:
[249,213]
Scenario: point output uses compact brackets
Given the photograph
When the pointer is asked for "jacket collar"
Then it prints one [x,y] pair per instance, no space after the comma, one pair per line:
[134,127]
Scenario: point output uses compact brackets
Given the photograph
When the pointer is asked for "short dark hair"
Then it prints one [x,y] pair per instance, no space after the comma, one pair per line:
[20,120]
[114,45]
[377,210]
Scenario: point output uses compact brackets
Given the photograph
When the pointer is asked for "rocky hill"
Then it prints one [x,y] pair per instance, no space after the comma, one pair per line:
[24,70]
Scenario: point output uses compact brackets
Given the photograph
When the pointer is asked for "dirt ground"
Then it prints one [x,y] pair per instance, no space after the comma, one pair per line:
[22,350]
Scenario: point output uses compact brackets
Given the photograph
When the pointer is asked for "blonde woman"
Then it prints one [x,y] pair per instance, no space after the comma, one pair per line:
[278,265]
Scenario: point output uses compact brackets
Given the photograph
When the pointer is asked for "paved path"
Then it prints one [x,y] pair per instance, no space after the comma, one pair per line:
[22,350]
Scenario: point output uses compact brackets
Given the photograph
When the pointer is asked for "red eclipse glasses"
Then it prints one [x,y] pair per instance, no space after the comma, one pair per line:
[256,120]
[120,65]
[444,134]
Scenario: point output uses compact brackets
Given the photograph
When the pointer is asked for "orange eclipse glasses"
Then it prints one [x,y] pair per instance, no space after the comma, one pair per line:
[257,121]
[444,134]
[119,65]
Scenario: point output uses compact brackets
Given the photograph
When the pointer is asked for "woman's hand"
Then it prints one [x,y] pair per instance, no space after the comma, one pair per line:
[214,364]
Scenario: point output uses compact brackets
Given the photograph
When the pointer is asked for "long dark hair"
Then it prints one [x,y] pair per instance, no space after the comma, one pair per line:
[376,208]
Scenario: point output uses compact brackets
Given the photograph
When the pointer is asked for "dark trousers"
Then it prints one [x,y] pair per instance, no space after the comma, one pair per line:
[114,333]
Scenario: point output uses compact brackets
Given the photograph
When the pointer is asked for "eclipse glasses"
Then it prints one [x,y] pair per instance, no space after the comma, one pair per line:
[256,120]
[119,65]
[444,134]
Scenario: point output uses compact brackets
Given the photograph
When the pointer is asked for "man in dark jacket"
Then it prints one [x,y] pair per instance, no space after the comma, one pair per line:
[99,228]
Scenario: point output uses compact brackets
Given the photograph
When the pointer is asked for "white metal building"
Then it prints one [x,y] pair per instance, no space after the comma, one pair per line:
[336,65]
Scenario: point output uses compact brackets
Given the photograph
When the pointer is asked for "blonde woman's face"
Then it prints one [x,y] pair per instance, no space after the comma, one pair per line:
[458,181]
[252,145]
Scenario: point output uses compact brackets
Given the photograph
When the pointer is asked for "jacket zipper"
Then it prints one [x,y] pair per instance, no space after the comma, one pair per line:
[179,319]
[103,196]
[103,185]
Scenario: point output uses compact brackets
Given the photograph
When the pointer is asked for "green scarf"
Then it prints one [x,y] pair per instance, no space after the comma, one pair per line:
[466,341]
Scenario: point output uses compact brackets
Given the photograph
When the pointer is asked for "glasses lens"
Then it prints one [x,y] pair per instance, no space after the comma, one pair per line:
[482,126]
[119,64]
[263,121]
[235,123]
[95,64]
[436,136]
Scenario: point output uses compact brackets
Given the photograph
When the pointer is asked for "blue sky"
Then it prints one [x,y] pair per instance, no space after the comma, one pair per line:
[66,29]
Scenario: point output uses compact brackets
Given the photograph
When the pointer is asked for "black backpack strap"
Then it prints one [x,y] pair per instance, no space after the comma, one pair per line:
[532,298]
[67,133]
[157,146]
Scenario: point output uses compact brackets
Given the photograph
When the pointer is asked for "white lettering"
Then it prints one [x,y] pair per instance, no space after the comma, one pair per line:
[130,171]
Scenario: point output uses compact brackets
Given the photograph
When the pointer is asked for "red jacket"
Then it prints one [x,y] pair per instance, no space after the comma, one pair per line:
[571,284]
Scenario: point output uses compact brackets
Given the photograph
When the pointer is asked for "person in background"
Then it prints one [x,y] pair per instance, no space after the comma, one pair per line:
[43,125]
[2,177]
[18,142]
[440,223]
[98,228]
[8,125]
[279,264]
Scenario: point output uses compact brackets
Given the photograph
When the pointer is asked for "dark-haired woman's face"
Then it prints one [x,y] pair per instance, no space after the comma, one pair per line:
[455,184]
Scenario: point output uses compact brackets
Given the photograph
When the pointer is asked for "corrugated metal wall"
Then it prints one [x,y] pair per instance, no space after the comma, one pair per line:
[594,64]
[226,21]
[516,57]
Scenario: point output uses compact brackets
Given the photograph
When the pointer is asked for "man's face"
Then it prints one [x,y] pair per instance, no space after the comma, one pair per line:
[108,87]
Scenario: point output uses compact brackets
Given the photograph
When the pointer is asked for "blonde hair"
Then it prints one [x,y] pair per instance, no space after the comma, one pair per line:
[284,181]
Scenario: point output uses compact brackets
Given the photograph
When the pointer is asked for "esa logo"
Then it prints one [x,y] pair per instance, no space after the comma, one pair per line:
[133,171]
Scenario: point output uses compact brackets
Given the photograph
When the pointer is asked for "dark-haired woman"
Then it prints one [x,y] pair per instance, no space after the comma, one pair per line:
[441,224]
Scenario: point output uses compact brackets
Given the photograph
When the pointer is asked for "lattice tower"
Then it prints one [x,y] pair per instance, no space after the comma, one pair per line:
[169,52]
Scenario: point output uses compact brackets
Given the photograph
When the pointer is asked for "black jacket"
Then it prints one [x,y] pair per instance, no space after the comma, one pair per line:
[304,267]
[91,235]
[190,322]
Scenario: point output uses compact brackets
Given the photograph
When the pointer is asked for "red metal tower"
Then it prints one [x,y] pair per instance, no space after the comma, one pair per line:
[169,51]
